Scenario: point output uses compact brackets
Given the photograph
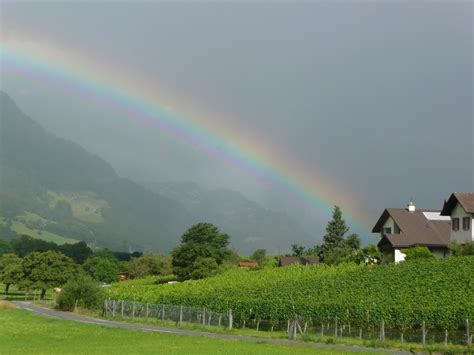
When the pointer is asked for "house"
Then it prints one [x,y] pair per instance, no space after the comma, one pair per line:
[248,264]
[402,228]
[296,260]
[460,209]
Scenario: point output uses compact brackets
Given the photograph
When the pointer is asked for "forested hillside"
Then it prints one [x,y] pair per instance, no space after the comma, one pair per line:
[52,188]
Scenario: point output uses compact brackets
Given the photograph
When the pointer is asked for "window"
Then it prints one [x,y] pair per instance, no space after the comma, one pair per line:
[455,224]
[387,230]
[466,223]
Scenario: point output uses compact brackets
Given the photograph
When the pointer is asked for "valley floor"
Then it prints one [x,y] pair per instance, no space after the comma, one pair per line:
[23,331]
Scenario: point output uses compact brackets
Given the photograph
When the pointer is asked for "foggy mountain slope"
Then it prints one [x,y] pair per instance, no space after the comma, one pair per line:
[36,167]
[53,187]
[250,225]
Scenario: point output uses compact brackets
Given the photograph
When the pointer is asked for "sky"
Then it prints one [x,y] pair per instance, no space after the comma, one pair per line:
[372,99]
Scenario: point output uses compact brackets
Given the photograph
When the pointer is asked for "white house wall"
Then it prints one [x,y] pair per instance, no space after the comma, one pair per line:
[461,236]
[398,256]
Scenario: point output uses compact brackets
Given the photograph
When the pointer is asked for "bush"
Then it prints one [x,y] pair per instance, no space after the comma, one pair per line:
[418,253]
[84,290]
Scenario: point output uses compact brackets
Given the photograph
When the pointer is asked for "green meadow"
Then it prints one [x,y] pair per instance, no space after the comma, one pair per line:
[23,332]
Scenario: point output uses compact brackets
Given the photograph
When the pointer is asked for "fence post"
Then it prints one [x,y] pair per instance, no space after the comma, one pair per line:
[231,321]
[180,315]
[122,308]
[258,324]
[163,313]
[133,310]
[446,337]
[147,310]
[105,308]
[468,334]
[113,308]
[203,316]
[322,329]
[382,331]
[335,327]
[423,332]
[209,319]
[360,333]
[220,319]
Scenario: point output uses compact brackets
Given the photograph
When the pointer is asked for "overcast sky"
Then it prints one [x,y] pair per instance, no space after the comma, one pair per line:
[377,94]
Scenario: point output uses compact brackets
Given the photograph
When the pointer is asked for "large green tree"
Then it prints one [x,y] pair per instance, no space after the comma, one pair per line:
[336,248]
[46,270]
[11,270]
[203,240]
[149,264]
[102,266]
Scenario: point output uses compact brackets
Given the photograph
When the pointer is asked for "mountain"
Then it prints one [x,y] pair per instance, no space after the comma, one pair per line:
[250,225]
[54,189]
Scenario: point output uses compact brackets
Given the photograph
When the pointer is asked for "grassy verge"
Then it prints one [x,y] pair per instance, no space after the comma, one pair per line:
[349,341]
[25,332]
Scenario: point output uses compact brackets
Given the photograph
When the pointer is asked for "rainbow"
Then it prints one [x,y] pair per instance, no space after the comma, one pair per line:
[124,91]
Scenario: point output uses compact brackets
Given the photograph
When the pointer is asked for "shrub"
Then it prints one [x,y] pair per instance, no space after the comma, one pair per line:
[84,290]
[418,253]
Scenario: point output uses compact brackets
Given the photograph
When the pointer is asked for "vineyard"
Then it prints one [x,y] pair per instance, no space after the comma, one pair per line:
[436,294]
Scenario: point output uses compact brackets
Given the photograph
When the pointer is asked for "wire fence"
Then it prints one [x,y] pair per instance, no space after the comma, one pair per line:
[182,315]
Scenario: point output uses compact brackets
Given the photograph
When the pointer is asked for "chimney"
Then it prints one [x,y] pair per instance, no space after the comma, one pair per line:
[411,206]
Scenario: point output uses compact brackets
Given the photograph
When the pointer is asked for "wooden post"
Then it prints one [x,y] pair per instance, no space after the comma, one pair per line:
[258,324]
[180,315]
[423,333]
[382,331]
[209,319]
[445,337]
[105,308]
[204,316]
[122,308]
[163,313]
[243,325]
[113,308]
[335,327]
[288,327]
[133,310]
[231,320]
[220,319]
[468,334]
[147,310]
[360,333]
[75,306]
[401,337]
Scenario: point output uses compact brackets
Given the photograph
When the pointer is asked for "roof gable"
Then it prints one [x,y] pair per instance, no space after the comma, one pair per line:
[465,199]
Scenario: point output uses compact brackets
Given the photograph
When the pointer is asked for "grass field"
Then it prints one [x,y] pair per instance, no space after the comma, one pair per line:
[24,332]
[85,206]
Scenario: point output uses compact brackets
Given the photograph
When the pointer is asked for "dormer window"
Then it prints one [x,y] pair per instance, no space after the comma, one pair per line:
[466,223]
[387,230]
[455,224]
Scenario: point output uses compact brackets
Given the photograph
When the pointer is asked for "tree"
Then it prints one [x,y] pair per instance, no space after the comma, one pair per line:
[418,253]
[46,270]
[260,256]
[461,249]
[103,266]
[335,248]
[149,264]
[79,252]
[353,242]
[4,247]
[11,270]
[335,230]
[297,250]
[204,267]
[82,290]
[203,240]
